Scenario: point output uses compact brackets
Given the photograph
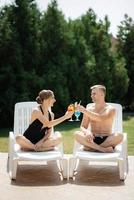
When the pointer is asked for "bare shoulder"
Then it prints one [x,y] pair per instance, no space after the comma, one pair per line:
[90,106]
[36,111]
[111,109]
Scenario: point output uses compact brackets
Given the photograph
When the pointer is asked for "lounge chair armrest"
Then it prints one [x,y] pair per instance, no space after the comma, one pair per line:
[76,147]
[124,144]
[11,150]
[11,141]
[56,133]
[122,147]
[60,146]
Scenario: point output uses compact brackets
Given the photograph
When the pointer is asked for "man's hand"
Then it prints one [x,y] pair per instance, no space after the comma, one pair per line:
[81,108]
[89,137]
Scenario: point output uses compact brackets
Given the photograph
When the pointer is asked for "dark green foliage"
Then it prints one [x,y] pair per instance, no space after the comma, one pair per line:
[19,60]
[126,49]
[55,62]
[45,51]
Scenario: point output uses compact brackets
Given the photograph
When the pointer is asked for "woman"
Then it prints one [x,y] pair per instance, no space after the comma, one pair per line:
[38,136]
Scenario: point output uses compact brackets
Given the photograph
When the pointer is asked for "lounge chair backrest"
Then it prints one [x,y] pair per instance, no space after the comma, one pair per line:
[22,116]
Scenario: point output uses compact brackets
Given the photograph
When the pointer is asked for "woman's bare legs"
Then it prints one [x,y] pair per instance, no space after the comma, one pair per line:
[50,143]
[24,143]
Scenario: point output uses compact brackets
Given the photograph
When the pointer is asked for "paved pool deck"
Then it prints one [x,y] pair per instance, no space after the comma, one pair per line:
[42,182]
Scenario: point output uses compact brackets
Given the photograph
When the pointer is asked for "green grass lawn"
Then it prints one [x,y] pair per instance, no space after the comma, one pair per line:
[68,128]
[128,127]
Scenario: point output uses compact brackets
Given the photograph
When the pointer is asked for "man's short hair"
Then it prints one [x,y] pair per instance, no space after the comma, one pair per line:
[101,87]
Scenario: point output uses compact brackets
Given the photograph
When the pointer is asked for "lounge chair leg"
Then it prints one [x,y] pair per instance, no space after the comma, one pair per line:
[8,163]
[13,169]
[122,171]
[59,164]
[73,165]
[65,165]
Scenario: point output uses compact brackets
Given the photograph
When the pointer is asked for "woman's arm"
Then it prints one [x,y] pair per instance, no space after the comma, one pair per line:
[36,114]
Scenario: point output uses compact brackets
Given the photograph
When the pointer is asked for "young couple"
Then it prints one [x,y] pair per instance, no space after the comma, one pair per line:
[95,132]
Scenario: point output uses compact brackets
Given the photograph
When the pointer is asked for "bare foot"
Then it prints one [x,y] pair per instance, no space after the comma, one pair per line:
[89,149]
[108,149]
[26,149]
[44,149]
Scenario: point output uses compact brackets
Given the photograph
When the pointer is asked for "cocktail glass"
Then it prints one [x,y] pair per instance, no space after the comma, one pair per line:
[77,114]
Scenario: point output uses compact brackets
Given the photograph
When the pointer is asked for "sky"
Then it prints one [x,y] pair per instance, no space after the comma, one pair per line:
[115,9]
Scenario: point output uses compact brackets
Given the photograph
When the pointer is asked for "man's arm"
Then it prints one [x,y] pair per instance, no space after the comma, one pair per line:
[110,113]
[85,121]
[84,128]
[85,124]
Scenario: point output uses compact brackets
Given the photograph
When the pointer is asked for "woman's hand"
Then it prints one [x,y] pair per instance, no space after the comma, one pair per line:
[38,145]
[69,114]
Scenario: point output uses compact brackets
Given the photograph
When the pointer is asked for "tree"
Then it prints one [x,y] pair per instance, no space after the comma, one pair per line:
[54,64]
[26,24]
[126,49]
[81,61]
[18,57]
[45,51]
[104,67]
[11,67]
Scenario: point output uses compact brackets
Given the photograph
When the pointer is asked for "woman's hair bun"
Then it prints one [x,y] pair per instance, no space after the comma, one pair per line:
[38,99]
[44,95]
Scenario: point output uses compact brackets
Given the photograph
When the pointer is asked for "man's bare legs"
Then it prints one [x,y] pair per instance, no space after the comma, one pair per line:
[79,136]
[112,140]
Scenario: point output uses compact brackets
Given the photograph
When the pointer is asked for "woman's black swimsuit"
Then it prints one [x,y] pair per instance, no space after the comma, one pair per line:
[35,132]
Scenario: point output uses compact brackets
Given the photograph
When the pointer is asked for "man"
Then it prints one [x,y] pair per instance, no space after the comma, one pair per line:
[96,128]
